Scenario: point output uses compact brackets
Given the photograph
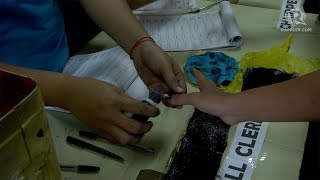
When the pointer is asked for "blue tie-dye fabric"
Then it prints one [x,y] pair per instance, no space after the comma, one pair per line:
[214,65]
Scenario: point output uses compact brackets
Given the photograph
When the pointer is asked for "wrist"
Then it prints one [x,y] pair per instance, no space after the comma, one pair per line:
[68,91]
[140,47]
[232,110]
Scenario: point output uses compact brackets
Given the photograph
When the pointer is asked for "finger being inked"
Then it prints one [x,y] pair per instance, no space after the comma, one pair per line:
[167,97]
[183,99]
[165,100]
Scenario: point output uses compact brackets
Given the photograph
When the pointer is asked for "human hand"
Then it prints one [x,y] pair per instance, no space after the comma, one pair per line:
[210,100]
[158,70]
[101,105]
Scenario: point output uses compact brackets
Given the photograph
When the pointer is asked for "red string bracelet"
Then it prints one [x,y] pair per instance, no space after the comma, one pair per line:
[138,42]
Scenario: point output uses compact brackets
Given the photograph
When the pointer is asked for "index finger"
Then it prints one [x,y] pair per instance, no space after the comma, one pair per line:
[203,82]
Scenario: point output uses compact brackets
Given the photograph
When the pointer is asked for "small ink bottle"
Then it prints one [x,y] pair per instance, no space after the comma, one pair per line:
[152,100]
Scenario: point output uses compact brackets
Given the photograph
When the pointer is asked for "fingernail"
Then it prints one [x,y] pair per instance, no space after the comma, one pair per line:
[179,89]
[167,97]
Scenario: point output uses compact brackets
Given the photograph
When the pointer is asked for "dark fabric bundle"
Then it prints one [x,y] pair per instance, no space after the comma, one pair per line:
[201,148]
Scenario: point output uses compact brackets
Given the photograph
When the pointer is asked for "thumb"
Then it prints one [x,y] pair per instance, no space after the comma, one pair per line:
[184,99]
[171,79]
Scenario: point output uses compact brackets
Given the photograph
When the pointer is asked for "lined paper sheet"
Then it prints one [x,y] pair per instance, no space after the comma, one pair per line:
[168,4]
[213,29]
[113,66]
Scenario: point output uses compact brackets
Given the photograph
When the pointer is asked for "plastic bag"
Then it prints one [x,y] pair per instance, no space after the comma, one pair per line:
[274,58]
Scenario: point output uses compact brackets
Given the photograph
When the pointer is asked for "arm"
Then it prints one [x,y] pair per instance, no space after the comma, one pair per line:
[48,83]
[116,19]
[294,100]
[155,67]
[98,104]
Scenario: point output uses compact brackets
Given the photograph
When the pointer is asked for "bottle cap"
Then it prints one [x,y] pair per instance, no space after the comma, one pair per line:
[155,96]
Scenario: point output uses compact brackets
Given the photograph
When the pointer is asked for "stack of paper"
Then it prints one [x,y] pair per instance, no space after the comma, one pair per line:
[162,7]
[212,29]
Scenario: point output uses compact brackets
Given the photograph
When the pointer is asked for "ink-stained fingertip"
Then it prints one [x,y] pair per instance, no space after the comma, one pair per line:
[167,97]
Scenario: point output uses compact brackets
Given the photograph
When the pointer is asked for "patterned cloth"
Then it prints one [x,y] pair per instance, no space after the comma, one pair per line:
[216,66]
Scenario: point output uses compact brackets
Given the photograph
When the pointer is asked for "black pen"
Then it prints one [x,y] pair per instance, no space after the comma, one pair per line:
[135,147]
[80,168]
[85,145]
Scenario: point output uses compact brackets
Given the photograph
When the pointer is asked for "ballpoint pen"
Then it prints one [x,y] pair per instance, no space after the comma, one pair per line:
[85,145]
[80,168]
[95,136]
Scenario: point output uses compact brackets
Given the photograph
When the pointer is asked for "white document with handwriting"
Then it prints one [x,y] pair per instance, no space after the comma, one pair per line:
[113,66]
[162,7]
[208,30]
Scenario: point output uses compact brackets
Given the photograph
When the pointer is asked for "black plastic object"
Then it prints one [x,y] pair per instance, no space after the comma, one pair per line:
[136,147]
[81,168]
[89,135]
[310,165]
[312,6]
[86,169]
[262,77]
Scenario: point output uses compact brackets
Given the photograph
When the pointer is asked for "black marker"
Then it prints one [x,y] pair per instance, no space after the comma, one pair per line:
[81,168]
[95,136]
[85,145]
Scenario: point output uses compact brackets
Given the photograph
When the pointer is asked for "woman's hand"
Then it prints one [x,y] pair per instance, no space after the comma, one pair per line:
[158,70]
[210,100]
[101,105]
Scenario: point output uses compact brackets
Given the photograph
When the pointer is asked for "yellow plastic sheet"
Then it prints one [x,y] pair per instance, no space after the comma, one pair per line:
[274,58]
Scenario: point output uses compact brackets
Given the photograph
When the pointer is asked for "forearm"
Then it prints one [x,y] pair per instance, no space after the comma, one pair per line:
[116,19]
[294,100]
[53,86]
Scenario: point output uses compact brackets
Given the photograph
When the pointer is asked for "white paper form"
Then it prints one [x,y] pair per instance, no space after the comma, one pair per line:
[168,7]
[213,29]
[168,4]
[113,66]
